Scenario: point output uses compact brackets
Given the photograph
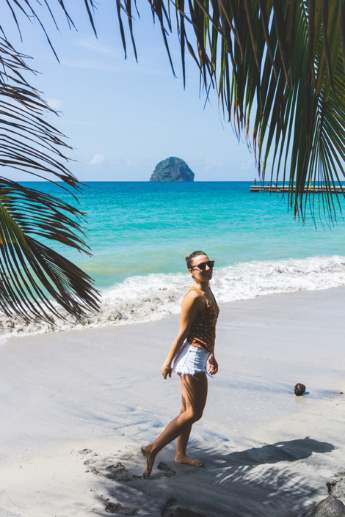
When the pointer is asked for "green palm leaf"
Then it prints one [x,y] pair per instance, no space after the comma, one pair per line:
[281,62]
[32,275]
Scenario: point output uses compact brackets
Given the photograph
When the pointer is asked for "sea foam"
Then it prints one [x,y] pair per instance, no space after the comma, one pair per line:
[155,296]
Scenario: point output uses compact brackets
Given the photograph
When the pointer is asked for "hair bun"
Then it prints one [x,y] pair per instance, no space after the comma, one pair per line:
[191,256]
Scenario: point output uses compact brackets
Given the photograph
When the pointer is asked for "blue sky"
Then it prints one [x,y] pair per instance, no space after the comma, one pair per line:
[123,117]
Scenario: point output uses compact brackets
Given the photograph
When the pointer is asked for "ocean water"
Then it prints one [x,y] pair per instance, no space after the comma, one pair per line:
[140,233]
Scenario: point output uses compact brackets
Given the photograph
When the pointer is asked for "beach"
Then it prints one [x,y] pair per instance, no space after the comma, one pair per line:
[78,405]
[94,270]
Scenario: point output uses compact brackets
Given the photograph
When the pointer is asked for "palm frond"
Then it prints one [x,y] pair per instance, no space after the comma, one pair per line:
[283,62]
[30,270]
[32,275]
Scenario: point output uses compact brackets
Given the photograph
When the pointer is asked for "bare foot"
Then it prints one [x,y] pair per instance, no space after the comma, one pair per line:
[189,461]
[150,459]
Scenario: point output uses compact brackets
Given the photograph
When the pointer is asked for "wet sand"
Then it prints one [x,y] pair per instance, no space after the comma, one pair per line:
[267,452]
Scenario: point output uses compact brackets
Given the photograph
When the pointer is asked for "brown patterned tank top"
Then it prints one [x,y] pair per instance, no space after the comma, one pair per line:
[202,333]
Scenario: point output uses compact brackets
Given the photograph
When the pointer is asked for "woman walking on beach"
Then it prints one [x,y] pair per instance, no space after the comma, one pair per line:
[191,356]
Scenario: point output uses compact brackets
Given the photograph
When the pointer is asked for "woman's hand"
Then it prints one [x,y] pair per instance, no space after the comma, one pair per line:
[212,365]
[166,370]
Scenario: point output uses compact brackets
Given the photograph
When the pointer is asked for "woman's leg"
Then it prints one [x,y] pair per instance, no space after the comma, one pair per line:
[182,440]
[194,391]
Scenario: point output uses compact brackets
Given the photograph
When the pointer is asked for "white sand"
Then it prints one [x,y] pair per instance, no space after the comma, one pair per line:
[267,452]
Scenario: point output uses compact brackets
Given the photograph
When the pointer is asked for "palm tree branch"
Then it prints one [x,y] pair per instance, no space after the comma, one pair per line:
[36,280]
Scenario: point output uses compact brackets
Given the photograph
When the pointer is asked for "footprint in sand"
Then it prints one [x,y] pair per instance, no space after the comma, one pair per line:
[115,471]
[166,469]
[171,510]
[117,466]
[85,451]
[120,510]
[89,462]
[118,472]
[126,456]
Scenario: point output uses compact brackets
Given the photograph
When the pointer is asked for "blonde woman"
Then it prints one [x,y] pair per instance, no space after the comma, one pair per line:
[191,356]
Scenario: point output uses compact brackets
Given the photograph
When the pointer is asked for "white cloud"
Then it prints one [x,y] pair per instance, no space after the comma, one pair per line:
[97,159]
[247,165]
[90,65]
[212,164]
[54,103]
[93,45]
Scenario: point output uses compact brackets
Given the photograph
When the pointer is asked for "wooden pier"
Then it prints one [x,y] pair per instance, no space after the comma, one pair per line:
[287,189]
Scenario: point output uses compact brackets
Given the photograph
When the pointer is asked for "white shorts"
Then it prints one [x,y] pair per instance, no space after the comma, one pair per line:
[190,360]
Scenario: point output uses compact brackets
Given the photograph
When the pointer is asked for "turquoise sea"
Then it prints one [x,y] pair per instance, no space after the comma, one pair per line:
[140,232]
[139,228]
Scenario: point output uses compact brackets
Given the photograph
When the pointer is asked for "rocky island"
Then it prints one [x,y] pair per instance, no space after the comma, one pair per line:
[172,169]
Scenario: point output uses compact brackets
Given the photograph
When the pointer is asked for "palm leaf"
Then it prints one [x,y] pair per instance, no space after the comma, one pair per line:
[29,269]
[287,63]
[32,275]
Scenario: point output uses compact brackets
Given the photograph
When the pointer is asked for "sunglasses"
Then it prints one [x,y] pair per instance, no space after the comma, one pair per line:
[202,266]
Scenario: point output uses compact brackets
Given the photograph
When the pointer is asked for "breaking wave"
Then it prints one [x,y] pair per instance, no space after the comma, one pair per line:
[153,297]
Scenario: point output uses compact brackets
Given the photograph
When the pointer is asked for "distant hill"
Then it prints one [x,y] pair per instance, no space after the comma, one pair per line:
[172,169]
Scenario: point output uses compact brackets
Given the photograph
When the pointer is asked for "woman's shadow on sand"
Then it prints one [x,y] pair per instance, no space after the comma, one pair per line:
[290,451]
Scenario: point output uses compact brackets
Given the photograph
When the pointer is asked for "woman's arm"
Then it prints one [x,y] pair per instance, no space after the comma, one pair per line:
[191,305]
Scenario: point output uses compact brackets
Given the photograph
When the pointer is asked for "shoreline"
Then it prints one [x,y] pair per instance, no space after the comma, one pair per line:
[152,297]
[101,389]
